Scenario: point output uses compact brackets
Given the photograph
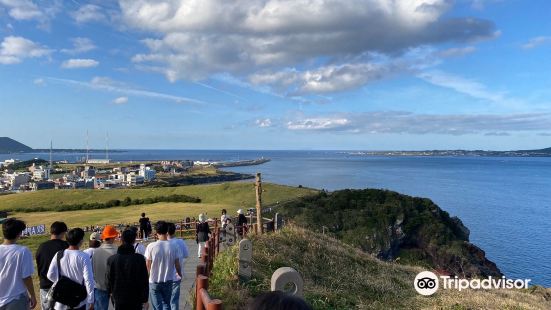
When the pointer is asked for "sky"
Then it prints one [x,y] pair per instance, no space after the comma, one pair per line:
[276,74]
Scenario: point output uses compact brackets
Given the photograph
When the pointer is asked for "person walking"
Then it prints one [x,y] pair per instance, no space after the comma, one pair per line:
[202,233]
[183,253]
[93,244]
[44,255]
[127,279]
[75,265]
[16,269]
[161,260]
[145,226]
[99,263]
[241,223]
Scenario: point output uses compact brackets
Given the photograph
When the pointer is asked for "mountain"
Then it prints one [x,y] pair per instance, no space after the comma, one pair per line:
[8,145]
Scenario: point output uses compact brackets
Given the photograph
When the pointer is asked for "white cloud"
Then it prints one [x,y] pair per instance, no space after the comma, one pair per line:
[462,85]
[456,51]
[318,124]
[79,63]
[120,100]
[107,84]
[535,42]
[397,122]
[266,122]
[80,45]
[14,49]
[194,40]
[88,13]
[22,9]
[39,82]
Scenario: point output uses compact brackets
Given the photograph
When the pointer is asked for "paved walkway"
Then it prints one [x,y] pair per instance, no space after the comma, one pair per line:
[188,281]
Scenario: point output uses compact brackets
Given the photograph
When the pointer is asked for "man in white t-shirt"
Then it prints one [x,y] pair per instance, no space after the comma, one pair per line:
[75,265]
[161,259]
[16,261]
[181,246]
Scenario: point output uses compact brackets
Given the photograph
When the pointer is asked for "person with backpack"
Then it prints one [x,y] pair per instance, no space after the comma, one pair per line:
[99,263]
[202,233]
[16,269]
[127,279]
[138,246]
[72,275]
[161,260]
[44,255]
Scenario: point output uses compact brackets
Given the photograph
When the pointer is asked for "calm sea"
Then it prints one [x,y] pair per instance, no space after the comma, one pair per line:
[505,202]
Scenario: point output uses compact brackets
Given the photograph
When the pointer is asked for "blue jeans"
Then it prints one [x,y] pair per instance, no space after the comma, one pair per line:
[175,298]
[101,299]
[160,295]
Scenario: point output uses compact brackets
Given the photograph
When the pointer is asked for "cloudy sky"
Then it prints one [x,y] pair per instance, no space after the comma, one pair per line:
[277,74]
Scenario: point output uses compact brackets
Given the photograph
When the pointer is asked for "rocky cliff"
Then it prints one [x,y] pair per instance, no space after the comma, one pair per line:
[397,227]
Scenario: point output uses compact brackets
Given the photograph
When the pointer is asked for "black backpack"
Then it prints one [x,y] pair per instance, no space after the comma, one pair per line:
[66,291]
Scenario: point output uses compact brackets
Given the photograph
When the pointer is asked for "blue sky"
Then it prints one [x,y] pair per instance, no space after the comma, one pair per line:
[277,74]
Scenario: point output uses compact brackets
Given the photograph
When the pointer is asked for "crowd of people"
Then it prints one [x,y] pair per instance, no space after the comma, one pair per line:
[130,276]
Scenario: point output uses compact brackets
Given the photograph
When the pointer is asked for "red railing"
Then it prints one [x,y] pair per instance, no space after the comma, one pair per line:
[203,272]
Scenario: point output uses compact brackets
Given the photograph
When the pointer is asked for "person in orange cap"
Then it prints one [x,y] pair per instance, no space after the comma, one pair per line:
[99,264]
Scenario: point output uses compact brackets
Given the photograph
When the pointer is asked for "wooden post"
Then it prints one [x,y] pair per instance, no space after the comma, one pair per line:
[258,183]
[217,241]
[215,304]
[201,282]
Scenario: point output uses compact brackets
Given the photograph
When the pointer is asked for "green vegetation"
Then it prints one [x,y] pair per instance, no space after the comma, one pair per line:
[214,197]
[393,226]
[237,194]
[338,276]
[111,204]
[24,165]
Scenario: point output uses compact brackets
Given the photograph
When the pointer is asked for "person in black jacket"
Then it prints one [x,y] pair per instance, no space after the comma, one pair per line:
[127,278]
[202,233]
[242,227]
[44,255]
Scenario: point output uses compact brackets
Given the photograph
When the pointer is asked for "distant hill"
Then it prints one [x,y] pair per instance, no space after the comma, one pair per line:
[8,145]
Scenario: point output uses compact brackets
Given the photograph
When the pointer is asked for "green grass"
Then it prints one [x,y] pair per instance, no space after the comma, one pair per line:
[237,194]
[214,197]
[338,276]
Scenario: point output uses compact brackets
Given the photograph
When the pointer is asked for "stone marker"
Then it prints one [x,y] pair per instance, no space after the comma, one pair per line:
[287,275]
[278,219]
[230,234]
[245,259]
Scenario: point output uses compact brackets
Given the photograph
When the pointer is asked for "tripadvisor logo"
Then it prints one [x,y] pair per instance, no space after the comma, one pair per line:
[427,283]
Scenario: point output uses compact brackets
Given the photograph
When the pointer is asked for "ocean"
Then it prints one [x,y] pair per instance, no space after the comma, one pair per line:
[504,201]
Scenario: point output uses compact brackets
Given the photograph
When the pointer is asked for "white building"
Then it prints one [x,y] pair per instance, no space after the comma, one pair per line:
[41,173]
[147,173]
[134,179]
[17,180]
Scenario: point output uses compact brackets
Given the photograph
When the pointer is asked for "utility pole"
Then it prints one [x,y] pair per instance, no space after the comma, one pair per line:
[258,186]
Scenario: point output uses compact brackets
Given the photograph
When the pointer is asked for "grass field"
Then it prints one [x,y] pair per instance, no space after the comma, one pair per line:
[338,276]
[214,197]
[232,194]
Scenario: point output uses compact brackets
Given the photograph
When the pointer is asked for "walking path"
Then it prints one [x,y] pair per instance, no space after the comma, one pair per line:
[188,281]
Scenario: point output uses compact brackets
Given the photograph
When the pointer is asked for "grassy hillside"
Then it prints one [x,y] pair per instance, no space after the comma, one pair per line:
[338,276]
[238,194]
[214,197]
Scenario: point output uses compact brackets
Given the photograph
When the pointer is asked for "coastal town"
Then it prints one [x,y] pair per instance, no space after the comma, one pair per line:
[37,174]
